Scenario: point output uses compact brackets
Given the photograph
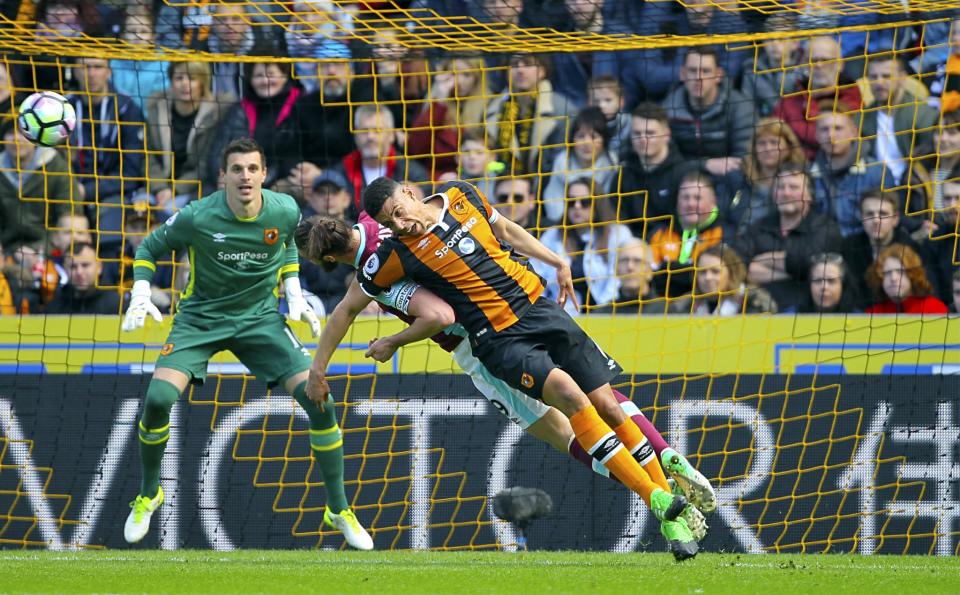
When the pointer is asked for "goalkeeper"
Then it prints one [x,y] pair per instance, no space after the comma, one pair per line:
[240,242]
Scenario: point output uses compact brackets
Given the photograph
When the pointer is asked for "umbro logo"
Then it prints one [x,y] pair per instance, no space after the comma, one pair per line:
[219,237]
[611,363]
[602,450]
[423,243]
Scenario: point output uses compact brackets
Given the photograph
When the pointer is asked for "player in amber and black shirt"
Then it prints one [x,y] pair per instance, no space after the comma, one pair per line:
[329,240]
[452,243]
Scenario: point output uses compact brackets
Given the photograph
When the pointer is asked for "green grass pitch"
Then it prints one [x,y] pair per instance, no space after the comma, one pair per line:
[305,571]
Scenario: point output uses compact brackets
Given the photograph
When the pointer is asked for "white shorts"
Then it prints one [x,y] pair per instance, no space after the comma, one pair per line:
[518,407]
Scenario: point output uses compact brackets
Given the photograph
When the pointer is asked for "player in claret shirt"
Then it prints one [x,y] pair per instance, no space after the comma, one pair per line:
[240,242]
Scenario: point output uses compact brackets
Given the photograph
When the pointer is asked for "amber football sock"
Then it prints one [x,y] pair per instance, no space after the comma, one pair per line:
[602,443]
[641,449]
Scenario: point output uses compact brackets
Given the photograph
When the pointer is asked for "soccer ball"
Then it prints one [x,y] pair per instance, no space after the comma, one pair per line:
[47,118]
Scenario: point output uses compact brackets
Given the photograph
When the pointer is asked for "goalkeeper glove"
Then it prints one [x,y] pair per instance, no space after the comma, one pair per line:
[297,306]
[140,306]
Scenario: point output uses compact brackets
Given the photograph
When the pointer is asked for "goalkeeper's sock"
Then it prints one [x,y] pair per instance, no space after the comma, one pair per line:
[602,443]
[153,430]
[326,442]
[635,442]
[648,429]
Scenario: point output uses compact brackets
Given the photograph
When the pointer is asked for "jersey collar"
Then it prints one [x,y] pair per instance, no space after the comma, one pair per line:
[443,211]
[363,244]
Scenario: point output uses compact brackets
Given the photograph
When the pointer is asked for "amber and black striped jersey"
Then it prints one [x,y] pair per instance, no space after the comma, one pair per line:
[462,261]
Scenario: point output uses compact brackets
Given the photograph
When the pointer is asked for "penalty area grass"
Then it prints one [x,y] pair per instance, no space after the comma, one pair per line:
[307,571]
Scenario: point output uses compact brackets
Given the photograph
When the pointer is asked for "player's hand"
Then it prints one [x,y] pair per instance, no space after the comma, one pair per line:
[317,387]
[565,281]
[297,306]
[381,350]
[140,306]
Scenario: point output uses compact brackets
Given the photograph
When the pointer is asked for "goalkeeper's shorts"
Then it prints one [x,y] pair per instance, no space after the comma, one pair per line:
[264,344]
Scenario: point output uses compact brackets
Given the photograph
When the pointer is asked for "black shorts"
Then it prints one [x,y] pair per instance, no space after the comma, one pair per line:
[545,338]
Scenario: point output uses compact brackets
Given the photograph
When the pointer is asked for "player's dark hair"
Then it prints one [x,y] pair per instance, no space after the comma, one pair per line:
[242,146]
[377,193]
[320,236]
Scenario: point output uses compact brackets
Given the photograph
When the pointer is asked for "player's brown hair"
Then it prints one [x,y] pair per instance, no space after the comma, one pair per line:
[321,236]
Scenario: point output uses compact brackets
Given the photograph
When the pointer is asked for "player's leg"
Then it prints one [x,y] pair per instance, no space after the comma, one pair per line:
[153,431]
[326,443]
[597,438]
[274,354]
[629,433]
[649,430]
[521,357]
[183,359]
[549,425]
[153,428]
[592,370]
[695,486]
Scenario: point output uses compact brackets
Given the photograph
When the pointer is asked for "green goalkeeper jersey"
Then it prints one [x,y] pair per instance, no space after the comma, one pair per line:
[235,264]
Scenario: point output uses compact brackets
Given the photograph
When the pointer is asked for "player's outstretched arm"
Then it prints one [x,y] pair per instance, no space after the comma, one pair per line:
[524,243]
[431,314]
[333,333]
[144,266]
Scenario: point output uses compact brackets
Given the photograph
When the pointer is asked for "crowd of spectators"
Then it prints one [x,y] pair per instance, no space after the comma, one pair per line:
[806,174]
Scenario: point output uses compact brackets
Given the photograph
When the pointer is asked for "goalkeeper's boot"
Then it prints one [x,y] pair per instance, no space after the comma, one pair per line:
[666,506]
[138,521]
[680,539]
[695,486]
[346,522]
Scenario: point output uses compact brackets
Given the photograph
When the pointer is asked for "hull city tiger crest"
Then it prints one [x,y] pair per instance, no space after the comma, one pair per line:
[270,236]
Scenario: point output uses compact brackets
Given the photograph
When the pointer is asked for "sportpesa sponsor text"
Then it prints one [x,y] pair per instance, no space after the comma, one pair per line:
[242,255]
